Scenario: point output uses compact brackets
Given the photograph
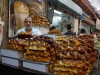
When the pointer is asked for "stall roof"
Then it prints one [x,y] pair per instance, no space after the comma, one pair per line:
[65,6]
[96,5]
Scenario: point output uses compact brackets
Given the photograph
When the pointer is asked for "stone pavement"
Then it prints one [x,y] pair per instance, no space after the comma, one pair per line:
[95,71]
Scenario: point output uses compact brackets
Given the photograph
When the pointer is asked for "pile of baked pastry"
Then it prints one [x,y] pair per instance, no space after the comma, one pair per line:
[68,55]
[23,35]
[17,44]
[55,31]
[40,21]
[75,56]
[41,49]
[61,38]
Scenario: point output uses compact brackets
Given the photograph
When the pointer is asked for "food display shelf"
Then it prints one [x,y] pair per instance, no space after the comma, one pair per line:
[44,66]
[39,66]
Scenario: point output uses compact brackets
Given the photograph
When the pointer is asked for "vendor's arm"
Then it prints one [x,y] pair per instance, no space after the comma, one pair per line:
[15,36]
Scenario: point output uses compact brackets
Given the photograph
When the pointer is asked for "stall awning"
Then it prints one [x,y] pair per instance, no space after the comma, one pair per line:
[88,20]
[68,5]
[87,8]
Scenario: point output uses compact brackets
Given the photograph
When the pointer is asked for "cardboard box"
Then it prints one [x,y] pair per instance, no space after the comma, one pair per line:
[11,61]
[12,53]
[36,66]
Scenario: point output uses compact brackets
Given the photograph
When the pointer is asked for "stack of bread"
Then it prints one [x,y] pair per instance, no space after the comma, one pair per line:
[41,49]
[21,43]
[17,44]
[40,21]
[74,56]
[61,38]
[55,31]
[23,35]
[69,55]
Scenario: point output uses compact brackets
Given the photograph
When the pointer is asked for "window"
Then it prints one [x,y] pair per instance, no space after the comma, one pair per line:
[60,20]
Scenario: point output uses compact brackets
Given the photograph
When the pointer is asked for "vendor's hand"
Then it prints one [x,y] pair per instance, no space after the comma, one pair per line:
[14,37]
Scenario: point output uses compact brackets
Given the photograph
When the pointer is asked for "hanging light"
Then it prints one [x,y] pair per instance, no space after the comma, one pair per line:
[55,11]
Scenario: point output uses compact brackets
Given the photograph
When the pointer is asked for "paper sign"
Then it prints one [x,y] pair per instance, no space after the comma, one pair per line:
[1,30]
[1,22]
[1,33]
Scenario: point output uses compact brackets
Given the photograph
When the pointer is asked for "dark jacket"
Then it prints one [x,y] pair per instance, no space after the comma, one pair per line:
[70,33]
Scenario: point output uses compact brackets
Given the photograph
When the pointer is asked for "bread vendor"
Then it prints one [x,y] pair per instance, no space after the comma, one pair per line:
[28,28]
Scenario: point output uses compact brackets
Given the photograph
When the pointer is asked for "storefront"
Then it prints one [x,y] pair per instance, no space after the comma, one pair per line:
[62,12]
[87,24]
[97,27]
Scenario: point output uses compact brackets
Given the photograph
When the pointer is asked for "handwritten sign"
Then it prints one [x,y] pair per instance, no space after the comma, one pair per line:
[1,30]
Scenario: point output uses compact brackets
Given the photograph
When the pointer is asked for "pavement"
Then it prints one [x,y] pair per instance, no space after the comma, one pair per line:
[95,71]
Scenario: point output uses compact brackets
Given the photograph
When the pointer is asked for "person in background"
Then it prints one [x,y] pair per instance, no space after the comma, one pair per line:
[28,28]
[83,32]
[52,28]
[94,35]
[69,32]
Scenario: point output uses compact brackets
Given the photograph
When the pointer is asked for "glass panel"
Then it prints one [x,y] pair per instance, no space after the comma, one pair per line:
[61,20]
[86,27]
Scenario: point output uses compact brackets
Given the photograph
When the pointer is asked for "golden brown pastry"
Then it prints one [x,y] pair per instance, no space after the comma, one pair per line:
[65,69]
[20,48]
[63,73]
[69,63]
[55,31]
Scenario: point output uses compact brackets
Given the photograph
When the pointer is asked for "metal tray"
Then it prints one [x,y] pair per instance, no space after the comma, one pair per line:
[43,63]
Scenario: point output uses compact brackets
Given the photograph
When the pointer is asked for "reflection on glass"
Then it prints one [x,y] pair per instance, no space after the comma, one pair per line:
[61,20]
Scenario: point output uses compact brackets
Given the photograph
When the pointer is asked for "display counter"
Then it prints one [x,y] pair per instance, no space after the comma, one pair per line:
[76,55]
[13,70]
[14,64]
